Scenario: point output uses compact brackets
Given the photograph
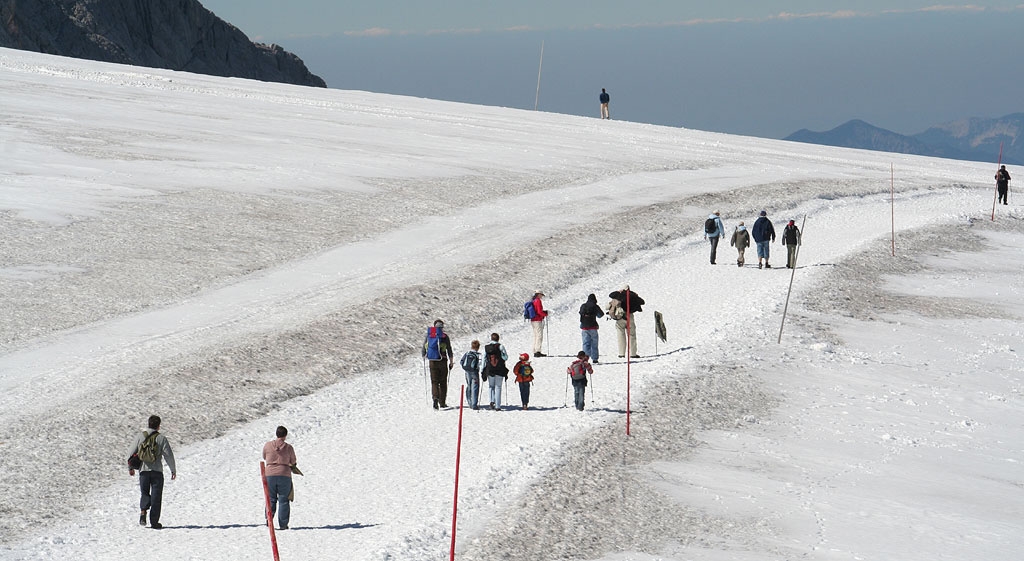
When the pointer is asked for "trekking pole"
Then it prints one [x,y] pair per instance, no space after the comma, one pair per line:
[547,335]
[565,401]
[426,381]
[792,274]
[591,382]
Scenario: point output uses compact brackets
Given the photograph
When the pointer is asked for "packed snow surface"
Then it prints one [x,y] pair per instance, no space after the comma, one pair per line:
[235,255]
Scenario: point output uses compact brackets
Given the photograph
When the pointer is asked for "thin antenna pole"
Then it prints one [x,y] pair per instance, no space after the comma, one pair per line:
[792,274]
[892,199]
[540,67]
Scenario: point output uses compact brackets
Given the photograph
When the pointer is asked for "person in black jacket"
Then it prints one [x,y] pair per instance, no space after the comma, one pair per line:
[495,372]
[590,311]
[791,239]
[604,98]
[629,303]
[1003,183]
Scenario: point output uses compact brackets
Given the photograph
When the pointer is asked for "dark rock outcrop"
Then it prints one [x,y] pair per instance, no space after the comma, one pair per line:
[173,34]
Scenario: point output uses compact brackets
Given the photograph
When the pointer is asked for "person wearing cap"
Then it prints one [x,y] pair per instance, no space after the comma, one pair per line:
[437,349]
[624,303]
[791,239]
[578,371]
[741,241]
[524,377]
[537,321]
[1003,183]
[714,230]
[763,233]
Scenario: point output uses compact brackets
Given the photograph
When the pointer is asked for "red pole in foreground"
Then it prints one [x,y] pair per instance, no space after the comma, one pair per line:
[270,517]
[458,455]
[629,354]
[995,196]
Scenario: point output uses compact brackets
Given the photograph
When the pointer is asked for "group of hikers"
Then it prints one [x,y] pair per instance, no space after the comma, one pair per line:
[490,366]
[763,234]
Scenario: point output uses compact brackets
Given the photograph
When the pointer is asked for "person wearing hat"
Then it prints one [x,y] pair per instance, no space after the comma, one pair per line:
[791,239]
[1003,183]
[537,321]
[741,241]
[714,231]
[437,349]
[524,377]
[578,371]
[763,233]
[624,303]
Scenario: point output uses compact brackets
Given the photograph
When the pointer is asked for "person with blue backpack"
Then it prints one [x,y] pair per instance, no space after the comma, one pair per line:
[471,366]
[534,311]
[437,350]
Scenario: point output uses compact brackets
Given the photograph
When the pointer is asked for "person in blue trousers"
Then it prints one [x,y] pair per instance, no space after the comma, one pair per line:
[763,233]
[471,366]
[590,311]
[578,371]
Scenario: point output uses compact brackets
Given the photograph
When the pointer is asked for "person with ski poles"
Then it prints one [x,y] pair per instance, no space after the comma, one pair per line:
[1003,184]
[437,349]
[537,321]
[578,371]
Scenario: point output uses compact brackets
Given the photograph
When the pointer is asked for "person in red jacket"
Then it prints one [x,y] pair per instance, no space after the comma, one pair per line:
[538,323]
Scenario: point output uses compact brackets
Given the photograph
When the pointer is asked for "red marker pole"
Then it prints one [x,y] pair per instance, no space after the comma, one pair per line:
[629,355]
[458,455]
[995,196]
[270,517]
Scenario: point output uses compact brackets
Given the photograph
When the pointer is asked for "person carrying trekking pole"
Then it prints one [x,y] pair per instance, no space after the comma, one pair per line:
[578,371]
[537,320]
[437,349]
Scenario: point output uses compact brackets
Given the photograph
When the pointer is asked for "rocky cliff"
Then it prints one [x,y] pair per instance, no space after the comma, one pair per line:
[174,34]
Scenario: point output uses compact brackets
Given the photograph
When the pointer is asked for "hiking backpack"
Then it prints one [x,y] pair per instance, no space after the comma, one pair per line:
[149,452]
[434,336]
[470,362]
[529,312]
[710,227]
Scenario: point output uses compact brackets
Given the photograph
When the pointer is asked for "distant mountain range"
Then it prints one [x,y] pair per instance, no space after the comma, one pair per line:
[173,34]
[972,139]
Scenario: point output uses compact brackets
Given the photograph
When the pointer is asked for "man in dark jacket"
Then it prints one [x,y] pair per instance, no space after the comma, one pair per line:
[791,239]
[1003,183]
[590,311]
[604,98]
[763,233]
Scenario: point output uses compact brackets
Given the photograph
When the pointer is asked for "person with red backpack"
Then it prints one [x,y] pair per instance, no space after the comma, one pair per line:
[437,349]
[495,372]
[578,371]
[524,377]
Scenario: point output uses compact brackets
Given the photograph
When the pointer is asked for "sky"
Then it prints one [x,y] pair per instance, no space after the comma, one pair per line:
[758,68]
[234,255]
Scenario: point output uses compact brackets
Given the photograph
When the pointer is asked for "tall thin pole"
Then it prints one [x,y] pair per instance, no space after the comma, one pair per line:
[270,517]
[629,356]
[996,194]
[792,274]
[540,66]
[458,454]
[892,199]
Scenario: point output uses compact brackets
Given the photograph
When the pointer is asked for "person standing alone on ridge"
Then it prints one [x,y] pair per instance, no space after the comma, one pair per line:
[1003,183]
[605,98]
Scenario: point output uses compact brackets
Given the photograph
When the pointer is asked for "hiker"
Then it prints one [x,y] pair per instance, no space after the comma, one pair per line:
[624,321]
[1003,183]
[524,377]
[578,371]
[495,372]
[151,471]
[281,463]
[714,230]
[791,239]
[437,349]
[590,311]
[763,233]
[537,320]
[741,241]
[604,98]
[471,366]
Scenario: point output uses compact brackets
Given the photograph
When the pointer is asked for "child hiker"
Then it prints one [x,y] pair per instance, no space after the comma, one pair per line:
[524,377]
[578,371]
